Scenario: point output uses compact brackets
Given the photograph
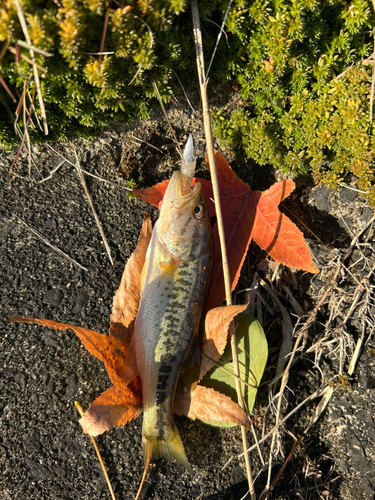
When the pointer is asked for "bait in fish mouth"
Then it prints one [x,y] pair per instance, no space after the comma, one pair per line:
[174,289]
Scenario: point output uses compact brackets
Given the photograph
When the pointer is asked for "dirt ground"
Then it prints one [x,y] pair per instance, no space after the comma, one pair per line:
[43,452]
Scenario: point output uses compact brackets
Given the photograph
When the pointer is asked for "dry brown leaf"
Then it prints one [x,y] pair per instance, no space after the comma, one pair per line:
[209,405]
[116,406]
[108,349]
[126,300]
[217,323]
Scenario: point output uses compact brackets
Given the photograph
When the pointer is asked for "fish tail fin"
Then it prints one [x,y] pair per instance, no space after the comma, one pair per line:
[170,449]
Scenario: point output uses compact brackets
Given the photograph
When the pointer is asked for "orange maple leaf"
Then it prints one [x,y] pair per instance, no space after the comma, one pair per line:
[121,403]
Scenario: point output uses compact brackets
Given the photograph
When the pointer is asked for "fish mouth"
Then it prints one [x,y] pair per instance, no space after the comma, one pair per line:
[180,193]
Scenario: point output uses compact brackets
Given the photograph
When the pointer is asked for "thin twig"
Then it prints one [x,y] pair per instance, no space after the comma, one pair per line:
[22,19]
[28,46]
[216,191]
[104,34]
[25,58]
[80,411]
[98,223]
[166,117]
[7,89]
[372,86]
[281,470]
[40,236]
[219,37]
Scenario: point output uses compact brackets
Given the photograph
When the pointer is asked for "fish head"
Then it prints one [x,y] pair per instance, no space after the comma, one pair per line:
[184,227]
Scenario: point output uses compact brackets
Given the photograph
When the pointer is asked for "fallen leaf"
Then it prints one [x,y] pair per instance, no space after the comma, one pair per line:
[108,349]
[154,194]
[247,215]
[126,300]
[116,406]
[211,406]
[253,215]
[217,323]
[252,352]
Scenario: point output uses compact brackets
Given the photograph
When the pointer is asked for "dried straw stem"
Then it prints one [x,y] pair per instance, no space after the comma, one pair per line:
[22,19]
[80,411]
[215,185]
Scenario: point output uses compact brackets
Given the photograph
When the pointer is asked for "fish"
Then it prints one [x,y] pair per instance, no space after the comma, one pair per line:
[174,288]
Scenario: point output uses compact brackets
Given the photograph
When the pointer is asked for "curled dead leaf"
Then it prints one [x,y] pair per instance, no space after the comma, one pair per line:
[209,405]
[217,323]
[116,406]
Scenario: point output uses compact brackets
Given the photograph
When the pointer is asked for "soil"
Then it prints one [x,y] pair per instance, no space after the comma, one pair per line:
[43,452]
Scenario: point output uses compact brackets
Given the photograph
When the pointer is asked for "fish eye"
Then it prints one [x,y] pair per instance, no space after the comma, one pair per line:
[198,211]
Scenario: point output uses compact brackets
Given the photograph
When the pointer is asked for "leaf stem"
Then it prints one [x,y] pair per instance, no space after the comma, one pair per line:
[216,191]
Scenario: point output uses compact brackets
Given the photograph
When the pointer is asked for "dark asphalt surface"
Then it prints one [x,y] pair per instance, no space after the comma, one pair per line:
[43,453]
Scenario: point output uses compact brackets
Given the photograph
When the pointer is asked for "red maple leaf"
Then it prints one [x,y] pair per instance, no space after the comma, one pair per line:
[247,215]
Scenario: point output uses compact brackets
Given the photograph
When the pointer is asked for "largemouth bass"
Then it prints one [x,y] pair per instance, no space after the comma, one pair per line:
[174,289]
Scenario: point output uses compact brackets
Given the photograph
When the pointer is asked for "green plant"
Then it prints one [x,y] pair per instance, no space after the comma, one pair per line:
[304,88]
[83,91]
[297,66]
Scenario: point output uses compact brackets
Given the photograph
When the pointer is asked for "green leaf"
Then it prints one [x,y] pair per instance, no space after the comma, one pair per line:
[252,351]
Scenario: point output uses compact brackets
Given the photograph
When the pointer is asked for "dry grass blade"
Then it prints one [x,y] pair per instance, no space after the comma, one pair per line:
[34,49]
[7,89]
[98,223]
[183,90]
[219,37]
[216,191]
[166,117]
[318,393]
[40,236]
[25,58]
[287,328]
[22,19]
[26,126]
[25,134]
[85,171]
[80,411]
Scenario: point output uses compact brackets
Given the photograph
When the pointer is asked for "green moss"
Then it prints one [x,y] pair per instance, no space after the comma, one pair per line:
[297,67]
